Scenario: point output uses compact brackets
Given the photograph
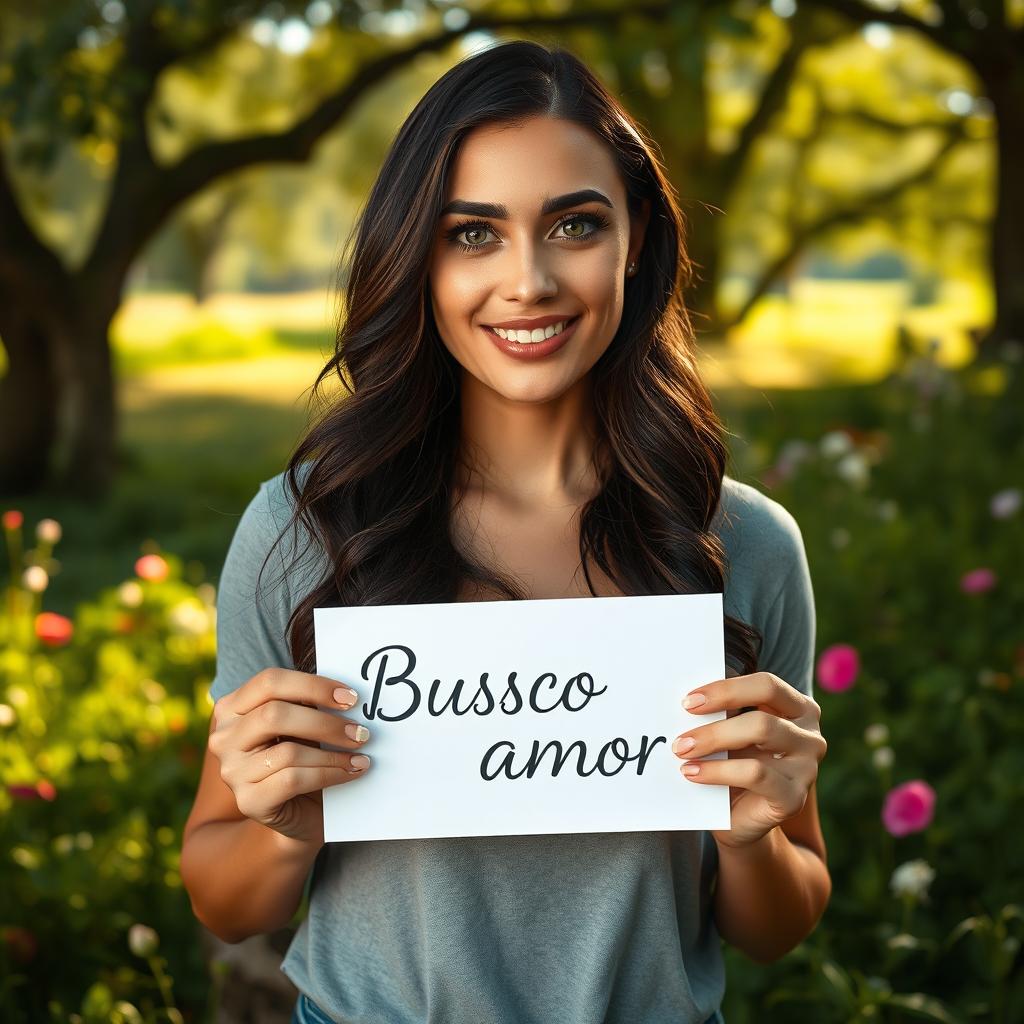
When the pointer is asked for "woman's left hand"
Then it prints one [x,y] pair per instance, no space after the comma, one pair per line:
[774,751]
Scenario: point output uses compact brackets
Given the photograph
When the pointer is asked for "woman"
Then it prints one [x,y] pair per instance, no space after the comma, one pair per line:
[468,463]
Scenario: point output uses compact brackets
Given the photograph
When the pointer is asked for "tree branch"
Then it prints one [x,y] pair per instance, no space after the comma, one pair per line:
[857,12]
[842,215]
[772,99]
[25,259]
[145,196]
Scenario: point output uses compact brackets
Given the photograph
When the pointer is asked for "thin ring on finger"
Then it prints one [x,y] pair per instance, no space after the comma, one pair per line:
[266,760]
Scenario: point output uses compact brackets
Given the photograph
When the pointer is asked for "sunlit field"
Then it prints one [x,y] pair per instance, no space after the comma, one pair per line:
[827,332]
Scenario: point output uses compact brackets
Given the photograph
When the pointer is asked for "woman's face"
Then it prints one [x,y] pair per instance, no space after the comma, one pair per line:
[499,257]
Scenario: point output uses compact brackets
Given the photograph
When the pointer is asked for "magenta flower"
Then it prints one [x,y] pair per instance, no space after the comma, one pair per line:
[838,666]
[977,581]
[908,808]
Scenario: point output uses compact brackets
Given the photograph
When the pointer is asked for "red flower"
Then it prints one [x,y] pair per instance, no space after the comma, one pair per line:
[12,519]
[151,567]
[46,789]
[54,630]
[20,942]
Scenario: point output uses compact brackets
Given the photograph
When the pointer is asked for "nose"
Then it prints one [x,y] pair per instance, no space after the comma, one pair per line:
[527,276]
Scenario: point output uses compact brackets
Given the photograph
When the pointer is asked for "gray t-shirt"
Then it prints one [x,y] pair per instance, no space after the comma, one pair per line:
[612,927]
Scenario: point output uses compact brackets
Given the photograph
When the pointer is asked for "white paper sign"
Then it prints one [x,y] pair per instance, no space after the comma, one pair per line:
[522,717]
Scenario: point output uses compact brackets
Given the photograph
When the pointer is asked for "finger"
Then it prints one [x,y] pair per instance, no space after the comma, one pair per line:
[760,777]
[287,684]
[755,729]
[262,764]
[763,690]
[276,719]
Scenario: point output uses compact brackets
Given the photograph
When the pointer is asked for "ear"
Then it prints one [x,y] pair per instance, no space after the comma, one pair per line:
[637,230]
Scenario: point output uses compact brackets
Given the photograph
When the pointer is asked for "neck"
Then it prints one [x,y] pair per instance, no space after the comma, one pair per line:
[531,454]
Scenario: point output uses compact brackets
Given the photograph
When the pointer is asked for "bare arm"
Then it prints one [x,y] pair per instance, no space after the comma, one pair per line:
[257,823]
[243,878]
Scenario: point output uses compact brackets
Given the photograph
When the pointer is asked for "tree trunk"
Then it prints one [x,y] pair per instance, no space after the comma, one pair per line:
[28,398]
[1005,88]
[86,450]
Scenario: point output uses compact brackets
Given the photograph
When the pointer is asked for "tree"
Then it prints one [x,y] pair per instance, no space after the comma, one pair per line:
[989,37]
[58,417]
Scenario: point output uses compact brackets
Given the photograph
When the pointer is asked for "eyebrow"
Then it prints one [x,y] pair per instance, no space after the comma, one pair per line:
[498,211]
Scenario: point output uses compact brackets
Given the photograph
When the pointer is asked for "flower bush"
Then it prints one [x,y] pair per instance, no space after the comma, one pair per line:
[920,676]
[908,497]
[103,720]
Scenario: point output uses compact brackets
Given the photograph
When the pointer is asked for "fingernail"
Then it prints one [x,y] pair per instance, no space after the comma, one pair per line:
[357,732]
[345,697]
[359,762]
[682,745]
[691,769]
[694,700]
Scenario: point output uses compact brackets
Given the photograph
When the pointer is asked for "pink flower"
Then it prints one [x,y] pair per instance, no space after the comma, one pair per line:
[151,567]
[908,808]
[838,666]
[23,792]
[53,629]
[12,519]
[977,581]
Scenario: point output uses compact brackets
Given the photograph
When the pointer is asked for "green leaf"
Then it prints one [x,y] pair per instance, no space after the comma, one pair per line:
[928,1007]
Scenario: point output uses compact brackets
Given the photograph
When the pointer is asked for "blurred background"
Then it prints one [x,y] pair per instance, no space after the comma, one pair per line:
[177,180]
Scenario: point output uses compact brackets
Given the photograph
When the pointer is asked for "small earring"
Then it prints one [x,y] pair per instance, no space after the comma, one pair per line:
[631,269]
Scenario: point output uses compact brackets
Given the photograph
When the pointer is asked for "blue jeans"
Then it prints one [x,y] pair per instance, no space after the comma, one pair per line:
[307,1012]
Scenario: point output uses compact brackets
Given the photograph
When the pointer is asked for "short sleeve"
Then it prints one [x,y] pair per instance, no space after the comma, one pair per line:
[790,623]
[251,633]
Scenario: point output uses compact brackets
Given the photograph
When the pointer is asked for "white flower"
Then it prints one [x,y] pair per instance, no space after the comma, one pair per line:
[835,443]
[189,617]
[48,530]
[912,879]
[130,594]
[7,715]
[887,510]
[35,578]
[876,734]
[853,468]
[1005,503]
[794,452]
[142,940]
[883,757]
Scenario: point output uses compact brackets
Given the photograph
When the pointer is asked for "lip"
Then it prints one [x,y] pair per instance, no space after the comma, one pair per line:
[534,351]
[527,324]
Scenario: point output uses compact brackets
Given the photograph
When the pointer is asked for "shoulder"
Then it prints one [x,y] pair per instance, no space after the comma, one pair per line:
[767,579]
[266,528]
[764,549]
[757,529]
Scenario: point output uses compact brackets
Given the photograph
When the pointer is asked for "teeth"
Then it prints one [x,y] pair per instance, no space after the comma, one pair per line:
[531,337]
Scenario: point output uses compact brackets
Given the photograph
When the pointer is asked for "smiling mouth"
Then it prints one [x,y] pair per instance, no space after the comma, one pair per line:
[536,336]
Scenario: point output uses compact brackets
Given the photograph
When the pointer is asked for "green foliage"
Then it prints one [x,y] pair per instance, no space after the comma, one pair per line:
[900,490]
[105,719]
[893,487]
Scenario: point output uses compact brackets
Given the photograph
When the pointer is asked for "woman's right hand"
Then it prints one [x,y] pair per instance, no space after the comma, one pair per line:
[267,734]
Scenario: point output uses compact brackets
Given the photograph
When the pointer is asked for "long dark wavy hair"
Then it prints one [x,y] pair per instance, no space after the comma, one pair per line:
[372,480]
